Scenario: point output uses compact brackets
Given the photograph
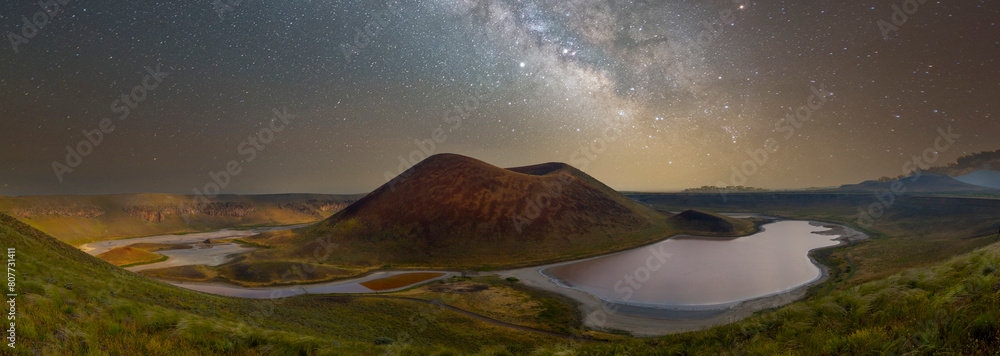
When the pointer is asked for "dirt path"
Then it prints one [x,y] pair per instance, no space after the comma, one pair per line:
[481,317]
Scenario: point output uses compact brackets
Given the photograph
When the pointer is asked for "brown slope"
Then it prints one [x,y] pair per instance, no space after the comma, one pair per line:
[448,196]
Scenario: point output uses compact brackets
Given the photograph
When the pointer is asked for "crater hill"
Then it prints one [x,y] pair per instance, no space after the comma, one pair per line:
[458,212]
[452,198]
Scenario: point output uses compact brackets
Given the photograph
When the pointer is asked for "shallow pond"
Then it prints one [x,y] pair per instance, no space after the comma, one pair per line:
[687,272]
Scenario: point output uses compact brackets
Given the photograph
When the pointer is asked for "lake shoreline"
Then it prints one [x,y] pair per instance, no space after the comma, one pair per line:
[643,321]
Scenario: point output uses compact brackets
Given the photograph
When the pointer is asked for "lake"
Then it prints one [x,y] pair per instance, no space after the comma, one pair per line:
[687,272]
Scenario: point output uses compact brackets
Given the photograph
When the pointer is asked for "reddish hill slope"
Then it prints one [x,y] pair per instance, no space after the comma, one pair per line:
[451,196]
[453,210]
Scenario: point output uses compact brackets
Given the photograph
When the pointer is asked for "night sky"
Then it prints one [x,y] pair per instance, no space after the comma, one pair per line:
[642,95]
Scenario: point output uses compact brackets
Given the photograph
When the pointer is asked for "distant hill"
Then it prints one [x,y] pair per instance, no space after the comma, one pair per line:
[982,178]
[924,183]
[970,163]
[452,210]
[727,189]
[965,165]
[79,218]
[700,222]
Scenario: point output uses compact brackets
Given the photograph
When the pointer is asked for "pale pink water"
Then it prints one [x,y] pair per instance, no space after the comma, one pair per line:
[700,272]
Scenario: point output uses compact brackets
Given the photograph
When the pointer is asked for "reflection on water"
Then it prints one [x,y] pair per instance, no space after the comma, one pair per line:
[691,272]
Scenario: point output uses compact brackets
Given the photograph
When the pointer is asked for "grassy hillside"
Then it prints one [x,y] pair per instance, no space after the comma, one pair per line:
[72,303]
[81,219]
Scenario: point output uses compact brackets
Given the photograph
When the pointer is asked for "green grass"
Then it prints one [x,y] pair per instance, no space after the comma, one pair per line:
[247,243]
[506,301]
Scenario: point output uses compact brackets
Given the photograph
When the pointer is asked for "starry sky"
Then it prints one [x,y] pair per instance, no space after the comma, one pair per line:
[643,95]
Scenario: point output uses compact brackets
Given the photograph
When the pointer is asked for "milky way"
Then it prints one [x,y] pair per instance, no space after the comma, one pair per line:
[643,95]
